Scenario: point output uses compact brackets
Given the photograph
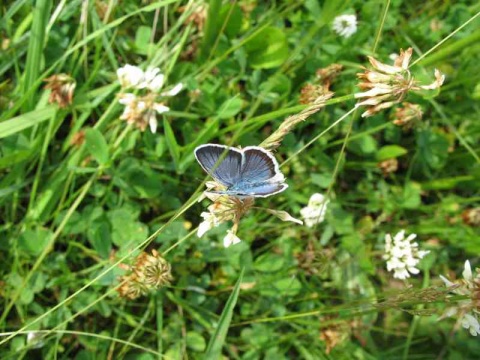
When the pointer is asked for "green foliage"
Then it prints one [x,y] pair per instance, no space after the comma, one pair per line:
[267,49]
[96,145]
[82,192]
[214,349]
[390,152]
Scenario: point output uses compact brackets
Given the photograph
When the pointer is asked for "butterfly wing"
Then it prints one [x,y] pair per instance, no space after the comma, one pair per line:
[259,165]
[260,174]
[260,190]
[224,164]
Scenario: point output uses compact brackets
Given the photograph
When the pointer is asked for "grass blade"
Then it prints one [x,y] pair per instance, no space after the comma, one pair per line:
[21,122]
[214,349]
[172,143]
[211,27]
[35,47]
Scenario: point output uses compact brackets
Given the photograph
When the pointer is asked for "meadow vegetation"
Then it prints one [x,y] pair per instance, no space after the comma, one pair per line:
[112,249]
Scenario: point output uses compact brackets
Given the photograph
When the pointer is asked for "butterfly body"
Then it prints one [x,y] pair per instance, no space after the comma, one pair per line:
[248,172]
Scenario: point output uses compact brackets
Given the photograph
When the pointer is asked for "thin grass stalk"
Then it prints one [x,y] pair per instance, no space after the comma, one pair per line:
[343,117]
[380,27]
[31,91]
[140,325]
[83,333]
[192,201]
[43,153]
[471,39]
[48,248]
[158,301]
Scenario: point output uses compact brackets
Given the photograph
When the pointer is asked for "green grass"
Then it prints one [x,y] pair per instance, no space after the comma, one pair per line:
[74,213]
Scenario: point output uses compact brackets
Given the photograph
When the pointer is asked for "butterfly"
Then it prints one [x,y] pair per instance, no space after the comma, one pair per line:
[251,171]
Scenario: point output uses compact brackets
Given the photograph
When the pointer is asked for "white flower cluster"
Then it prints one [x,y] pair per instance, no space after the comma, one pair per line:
[223,209]
[345,25]
[315,212]
[142,110]
[467,310]
[210,220]
[231,208]
[402,255]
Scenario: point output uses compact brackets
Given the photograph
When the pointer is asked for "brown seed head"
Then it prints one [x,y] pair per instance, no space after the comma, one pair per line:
[62,87]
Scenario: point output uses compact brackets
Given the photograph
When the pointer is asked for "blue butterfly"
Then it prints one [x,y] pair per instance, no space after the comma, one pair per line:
[252,171]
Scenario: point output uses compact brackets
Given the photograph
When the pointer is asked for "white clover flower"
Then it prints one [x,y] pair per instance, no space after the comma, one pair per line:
[315,212]
[130,76]
[223,209]
[141,110]
[471,323]
[210,221]
[152,121]
[160,108]
[33,339]
[174,91]
[133,107]
[402,255]
[467,310]
[152,80]
[230,239]
[127,98]
[345,25]
[152,115]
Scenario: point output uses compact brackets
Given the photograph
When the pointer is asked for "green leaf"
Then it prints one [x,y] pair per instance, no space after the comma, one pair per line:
[33,242]
[172,143]
[231,15]
[11,159]
[174,231]
[390,152]
[47,200]
[24,121]
[432,150]
[447,183]
[137,179]
[142,39]
[323,180]
[230,108]
[340,220]
[286,286]
[277,87]
[195,341]
[125,228]
[269,263]
[409,197]
[26,296]
[99,235]
[476,92]
[364,146]
[214,349]
[290,286]
[267,49]
[96,145]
